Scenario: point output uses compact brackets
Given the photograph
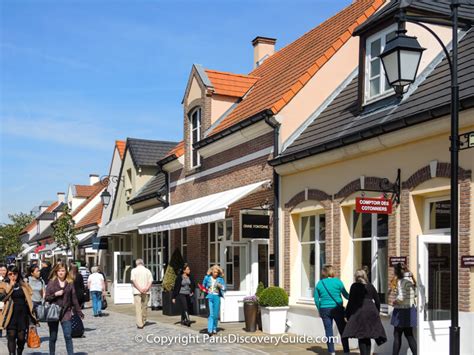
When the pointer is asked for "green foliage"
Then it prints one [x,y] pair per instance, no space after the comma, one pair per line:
[10,243]
[176,263]
[259,290]
[274,297]
[64,233]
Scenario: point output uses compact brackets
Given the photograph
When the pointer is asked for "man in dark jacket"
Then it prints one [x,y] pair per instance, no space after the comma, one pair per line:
[45,271]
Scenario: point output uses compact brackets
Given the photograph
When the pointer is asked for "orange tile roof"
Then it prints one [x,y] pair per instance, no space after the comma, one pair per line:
[284,73]
[98,187]
[84,191]
[33,223]
[178,150]
[93,217]
[230,84]
[121,148]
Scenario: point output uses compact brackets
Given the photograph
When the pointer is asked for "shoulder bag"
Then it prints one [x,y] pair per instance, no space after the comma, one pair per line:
[329,293]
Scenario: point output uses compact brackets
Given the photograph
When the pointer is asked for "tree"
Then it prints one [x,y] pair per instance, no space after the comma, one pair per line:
[10,243]
[64,232]
[176,263]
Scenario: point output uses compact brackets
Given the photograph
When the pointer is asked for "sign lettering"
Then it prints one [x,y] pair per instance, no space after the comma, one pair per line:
[394,260]
[467,261]
[255,226]
[373,205]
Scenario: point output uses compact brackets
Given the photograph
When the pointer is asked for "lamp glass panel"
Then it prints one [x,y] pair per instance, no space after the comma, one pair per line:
[375,86]
[390,63]
[409,65]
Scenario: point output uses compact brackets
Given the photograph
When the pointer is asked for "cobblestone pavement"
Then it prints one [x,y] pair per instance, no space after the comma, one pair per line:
[117,333]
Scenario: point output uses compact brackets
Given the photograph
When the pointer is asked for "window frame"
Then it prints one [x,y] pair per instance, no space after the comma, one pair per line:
[157,267]
[198,135]
[317,250]
[184,246]
[426,224]
[219,241]
[368,59]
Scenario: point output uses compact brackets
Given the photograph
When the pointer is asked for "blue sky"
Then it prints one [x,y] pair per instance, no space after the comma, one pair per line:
[77,75]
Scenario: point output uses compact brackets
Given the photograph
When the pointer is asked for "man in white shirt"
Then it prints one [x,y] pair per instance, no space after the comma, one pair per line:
[96,286]
[141,279]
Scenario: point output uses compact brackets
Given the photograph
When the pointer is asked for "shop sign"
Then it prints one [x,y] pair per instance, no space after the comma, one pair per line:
[440,261]
[99,243]
[255,226]
[467,261]
[373,205]
[394,260]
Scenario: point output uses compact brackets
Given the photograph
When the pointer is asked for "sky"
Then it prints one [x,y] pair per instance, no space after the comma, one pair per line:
[77,75]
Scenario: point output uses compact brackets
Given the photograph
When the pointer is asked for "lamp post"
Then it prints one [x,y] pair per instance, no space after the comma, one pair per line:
[400,59]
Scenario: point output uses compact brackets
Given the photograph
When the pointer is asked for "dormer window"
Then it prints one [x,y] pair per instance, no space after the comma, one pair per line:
[376,84]
[195,121]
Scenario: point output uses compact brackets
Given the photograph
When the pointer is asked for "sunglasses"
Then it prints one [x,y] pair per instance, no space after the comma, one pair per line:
[11,274]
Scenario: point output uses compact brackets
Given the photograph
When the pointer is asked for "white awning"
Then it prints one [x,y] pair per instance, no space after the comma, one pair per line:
[126,224]
[26,250]
[49,248]
[81,236]
[198,211]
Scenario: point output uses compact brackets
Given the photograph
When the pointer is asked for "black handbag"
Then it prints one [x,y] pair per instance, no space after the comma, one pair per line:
[104,303]
[77,326]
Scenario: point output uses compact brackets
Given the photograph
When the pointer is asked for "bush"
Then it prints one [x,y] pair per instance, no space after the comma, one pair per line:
[176,263]
[274,297]
[260,289]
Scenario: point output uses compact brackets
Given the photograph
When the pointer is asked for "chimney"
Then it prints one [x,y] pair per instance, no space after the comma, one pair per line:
[61,197]
[93,178]
[263,47]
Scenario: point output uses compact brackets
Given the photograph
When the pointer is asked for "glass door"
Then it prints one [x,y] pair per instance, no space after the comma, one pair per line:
[122,272]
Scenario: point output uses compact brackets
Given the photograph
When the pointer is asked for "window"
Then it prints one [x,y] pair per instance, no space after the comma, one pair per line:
[438,215]
[219,232]
[376,85]
[184,243]
[195,121]
[370,246]
[155,253]
[312,245]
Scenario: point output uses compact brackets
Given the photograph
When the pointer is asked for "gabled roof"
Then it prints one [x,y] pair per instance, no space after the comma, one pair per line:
[84,191]
[341,123]
[146,153]
[120,147]
[93,217]
[34,222]
[98,187]
[284,73]
[230,84]
[150,189]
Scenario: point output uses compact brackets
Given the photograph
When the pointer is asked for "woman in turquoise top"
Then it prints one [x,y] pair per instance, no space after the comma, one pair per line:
[215,285]
[328,300]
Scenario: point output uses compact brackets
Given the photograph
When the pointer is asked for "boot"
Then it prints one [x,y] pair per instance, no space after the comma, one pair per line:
[187,320]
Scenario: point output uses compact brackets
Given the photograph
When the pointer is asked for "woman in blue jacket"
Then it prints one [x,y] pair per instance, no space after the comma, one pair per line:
[215,285]
[328,300]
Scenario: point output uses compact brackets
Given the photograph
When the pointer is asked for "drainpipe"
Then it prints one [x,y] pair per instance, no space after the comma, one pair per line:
[273,122]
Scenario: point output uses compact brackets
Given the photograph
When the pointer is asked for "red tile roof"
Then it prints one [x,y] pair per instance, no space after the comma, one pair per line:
[98,187]
[230,84]
[178,150]
[284,73]
[121,148]
[84,191]
[93,217]
[33,223]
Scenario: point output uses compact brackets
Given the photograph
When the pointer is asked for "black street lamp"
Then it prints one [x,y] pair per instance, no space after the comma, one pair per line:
[105,198]
[400,59]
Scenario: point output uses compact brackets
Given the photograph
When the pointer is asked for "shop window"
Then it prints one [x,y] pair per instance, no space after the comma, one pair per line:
[184,243]
[437,215]
[220,239]
[195,122]
[370,249]
[312,245]
[155,253]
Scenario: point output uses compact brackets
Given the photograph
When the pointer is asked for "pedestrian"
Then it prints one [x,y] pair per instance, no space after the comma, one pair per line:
[84,270]
[18,314]
[328,300]
[183,291]
[60,291]
[404,308]
[96,285]
[45,271]
[78,285]
[104,299]
[37,285]
[141,279]
[363,314]
[215,285]
[3,278]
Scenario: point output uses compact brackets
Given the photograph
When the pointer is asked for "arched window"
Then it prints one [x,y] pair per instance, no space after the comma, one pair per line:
[195,123]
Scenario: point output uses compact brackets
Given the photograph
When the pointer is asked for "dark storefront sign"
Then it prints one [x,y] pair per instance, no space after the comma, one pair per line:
[373,205]
[255,226]
[99,243]
[440,261]
[394,260]
[467,261]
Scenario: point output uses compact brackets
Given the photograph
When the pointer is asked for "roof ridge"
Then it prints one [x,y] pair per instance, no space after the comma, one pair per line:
[233,74]
[150,140]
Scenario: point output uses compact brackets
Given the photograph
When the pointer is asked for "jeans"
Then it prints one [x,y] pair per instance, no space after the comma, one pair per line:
[53,336]
[96,297]
[336,314]
[214,306]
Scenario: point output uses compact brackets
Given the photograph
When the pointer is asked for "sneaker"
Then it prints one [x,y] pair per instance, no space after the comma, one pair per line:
[214,331]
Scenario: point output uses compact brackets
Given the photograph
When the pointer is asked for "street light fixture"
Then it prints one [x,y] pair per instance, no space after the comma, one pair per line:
[105,198]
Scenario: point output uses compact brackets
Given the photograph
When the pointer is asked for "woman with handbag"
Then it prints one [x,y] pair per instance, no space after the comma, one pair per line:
[60,292]
[404,309]
[183,291]
[328,300]
[17,315]
[37,285]
[215,286]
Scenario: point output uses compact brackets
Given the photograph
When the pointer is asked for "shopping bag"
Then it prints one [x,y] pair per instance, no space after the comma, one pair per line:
[34,340]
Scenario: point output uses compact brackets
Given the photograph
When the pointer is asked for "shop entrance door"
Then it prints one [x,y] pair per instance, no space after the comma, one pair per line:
[434,294]
[235,262]
[122,271]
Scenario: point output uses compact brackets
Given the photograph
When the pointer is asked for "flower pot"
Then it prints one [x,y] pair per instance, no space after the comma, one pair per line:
[274,319]
[250,314]
[169,308]
[259,318]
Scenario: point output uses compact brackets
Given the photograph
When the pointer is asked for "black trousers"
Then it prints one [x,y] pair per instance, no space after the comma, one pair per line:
[184,302]
[397,339]
[16,340]
[364,346]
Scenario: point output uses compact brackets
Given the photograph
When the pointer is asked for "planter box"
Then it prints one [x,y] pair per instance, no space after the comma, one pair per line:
[274,319]
[169,308]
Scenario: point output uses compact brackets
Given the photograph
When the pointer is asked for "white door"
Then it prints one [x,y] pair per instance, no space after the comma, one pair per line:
[260,265]
[434,294]
[235,262]
[122,271]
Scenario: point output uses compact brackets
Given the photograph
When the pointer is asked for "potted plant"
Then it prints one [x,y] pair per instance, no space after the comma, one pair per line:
[258,293]
[250,313]
[274,302]
[175,264]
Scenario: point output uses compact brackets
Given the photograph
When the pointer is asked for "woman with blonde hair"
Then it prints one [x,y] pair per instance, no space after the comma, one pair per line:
[328,301]
[363,314]
[60,291]
[215,286]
